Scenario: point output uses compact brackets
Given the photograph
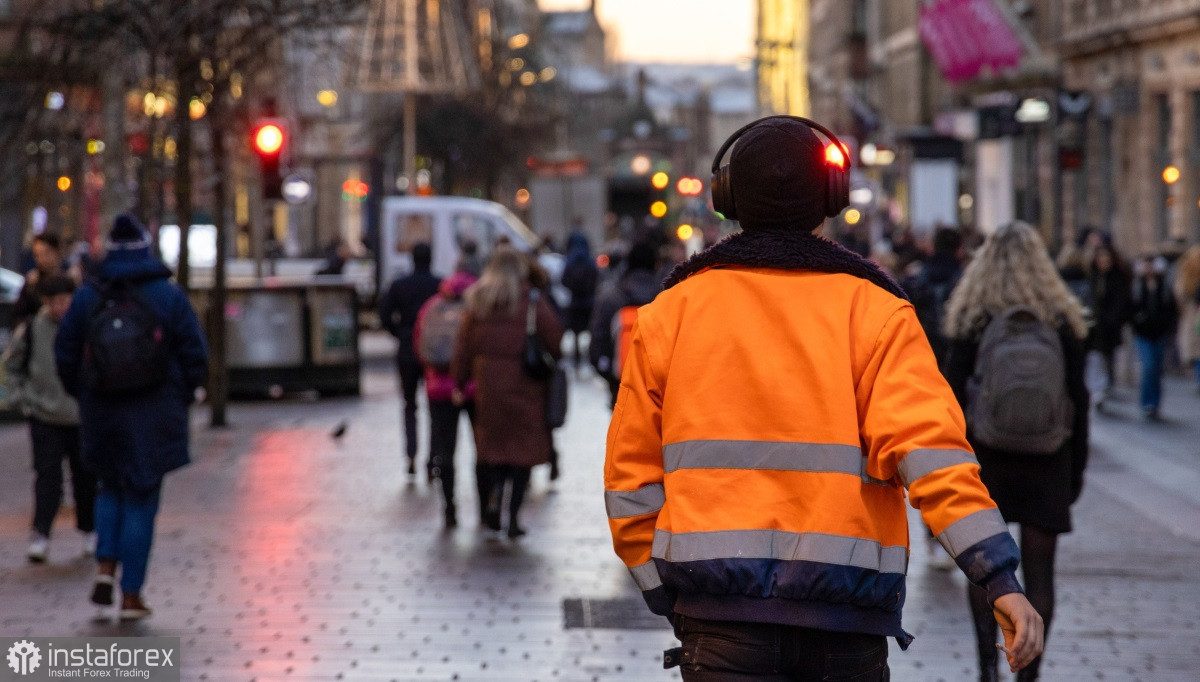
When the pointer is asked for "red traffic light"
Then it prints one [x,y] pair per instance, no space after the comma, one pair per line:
[689,187]
[268,139]
[355,189]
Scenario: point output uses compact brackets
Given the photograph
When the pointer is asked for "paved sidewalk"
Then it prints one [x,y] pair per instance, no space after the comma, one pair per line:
[285,554]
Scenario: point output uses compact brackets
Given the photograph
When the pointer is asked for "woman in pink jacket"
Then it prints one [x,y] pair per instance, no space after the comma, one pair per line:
[434,338]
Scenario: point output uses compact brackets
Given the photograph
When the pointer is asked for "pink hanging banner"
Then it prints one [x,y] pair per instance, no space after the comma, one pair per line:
[966,36]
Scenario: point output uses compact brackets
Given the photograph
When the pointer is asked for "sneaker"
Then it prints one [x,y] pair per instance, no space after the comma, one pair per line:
[133,608]
[102,589]
[39,546]
[88,547]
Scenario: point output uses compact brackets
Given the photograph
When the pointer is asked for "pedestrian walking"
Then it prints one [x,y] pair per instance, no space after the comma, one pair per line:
[434,336]
[1016,364]
[131,350]
[509,404]
[930,288]
[1187,297]
[1110,294]
[542,281]
[31,380]
[580,276]
[398,311]
[637,286]
[47,261]
[1154,315]
[778,399]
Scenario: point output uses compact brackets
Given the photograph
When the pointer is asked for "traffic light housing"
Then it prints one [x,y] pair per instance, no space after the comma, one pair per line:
[269,140]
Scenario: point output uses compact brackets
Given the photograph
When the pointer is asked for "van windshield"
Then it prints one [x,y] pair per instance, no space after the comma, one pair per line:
[519,227]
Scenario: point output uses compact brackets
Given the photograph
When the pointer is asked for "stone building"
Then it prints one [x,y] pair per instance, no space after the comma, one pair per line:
[875,79]
[1134,69]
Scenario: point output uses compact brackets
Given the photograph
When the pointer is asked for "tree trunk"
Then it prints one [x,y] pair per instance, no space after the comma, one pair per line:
[183,168]
[218,384]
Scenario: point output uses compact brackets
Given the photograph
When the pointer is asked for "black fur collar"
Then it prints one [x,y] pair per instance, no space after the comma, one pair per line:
[791,250]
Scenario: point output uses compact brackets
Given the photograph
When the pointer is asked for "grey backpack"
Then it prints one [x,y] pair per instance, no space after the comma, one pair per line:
[1017,398]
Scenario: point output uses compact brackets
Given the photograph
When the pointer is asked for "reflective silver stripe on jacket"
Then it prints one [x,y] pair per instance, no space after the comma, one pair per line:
[925,461]
[780,456]
[825,548]
[967,531]
[622,504]
[646,576]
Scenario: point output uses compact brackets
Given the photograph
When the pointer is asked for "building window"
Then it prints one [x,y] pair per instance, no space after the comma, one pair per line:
[1160,159]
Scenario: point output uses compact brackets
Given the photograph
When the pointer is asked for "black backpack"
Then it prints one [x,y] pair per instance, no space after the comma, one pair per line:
[125,347]
[1017,398]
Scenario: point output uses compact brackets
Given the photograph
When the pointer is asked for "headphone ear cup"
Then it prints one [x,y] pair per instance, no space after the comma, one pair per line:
[722,194]
[837,196]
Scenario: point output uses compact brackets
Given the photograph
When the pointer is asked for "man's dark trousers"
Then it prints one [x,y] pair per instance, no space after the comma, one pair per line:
[410,378]
[728,651]
[52,444]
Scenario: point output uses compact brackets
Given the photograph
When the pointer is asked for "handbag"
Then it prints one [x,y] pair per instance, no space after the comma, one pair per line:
[536,360]
[556,399]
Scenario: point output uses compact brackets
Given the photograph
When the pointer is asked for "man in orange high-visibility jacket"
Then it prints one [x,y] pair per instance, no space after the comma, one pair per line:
[778,399]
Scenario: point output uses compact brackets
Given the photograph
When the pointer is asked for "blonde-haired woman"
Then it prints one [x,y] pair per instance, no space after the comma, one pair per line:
[1013,269]
[509,405]
[1187,295]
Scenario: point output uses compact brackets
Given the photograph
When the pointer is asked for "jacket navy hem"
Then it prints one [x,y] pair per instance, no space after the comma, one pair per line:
[1002,584]
[807,614]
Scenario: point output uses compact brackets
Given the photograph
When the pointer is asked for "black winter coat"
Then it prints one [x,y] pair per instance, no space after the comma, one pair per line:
[132,441]
[929,290]
[1155,312]
[1034,490]
[1110,307]
[398,308]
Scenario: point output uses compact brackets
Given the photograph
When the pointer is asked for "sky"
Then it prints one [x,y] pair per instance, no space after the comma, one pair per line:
[691,31]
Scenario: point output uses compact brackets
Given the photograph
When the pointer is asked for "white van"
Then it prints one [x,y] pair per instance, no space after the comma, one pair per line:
[444,223]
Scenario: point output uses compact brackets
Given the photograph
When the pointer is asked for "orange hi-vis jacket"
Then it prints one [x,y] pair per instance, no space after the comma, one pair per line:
[767,427]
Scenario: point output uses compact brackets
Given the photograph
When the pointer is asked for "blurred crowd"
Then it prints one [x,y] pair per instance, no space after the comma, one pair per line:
[471,339]
[1147,301]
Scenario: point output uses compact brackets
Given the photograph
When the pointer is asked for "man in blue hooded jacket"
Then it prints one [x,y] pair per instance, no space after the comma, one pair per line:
[131,439]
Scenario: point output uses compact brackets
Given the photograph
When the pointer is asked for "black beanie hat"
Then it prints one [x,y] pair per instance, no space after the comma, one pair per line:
[778,175]
[128,234]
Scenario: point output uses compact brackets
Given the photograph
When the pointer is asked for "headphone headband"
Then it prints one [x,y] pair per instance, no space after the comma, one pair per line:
[716,164]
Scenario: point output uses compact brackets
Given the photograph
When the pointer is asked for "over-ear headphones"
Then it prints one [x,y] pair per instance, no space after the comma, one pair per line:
[837,174]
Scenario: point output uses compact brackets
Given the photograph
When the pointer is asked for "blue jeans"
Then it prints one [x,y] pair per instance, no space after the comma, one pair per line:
[1151,353]
[124,532]
[724,651]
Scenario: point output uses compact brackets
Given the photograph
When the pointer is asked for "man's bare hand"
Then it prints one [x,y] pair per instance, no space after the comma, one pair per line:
[1022,627]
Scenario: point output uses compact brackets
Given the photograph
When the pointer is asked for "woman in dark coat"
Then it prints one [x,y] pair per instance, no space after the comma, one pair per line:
[509,405]
[1036,491]
[1110,307]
